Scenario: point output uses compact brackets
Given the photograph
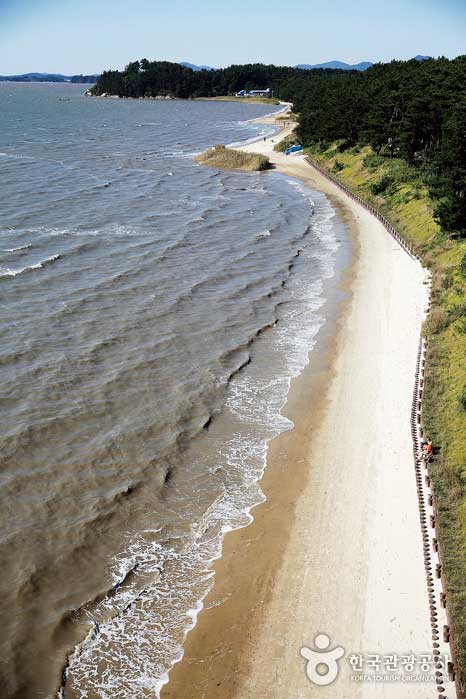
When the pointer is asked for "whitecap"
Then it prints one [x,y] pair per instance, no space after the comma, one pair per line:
[264,234]
[7,272]
[20,247]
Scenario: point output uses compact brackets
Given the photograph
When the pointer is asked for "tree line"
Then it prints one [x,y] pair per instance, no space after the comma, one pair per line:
[414,110]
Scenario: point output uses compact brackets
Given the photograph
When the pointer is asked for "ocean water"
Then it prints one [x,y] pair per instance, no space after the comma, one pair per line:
[153,313]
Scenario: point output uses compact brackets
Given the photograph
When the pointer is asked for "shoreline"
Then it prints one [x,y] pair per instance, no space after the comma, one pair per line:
[244,100]
[281,489]
[247,639]
[167,98]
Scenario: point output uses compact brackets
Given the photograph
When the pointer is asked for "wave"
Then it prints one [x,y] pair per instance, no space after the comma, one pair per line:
[20,247]
[263,234]
[38,265]
[262,130]
[148,576]
[17,156]
[275,113]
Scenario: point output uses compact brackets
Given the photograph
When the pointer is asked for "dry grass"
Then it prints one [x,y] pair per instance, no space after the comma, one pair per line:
[437,320]
[228,159]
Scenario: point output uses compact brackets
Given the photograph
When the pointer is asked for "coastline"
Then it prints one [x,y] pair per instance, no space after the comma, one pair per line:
[247,639]
[247,100]
[237,601]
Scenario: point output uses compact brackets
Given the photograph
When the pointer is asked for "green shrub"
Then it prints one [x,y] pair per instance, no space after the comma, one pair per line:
[372,161]
[344,145]
[438,320]
[281,146]
[337,166]
[381,185]
[463,399]
[320,147]
[463,266]
[446,280]
[458,311]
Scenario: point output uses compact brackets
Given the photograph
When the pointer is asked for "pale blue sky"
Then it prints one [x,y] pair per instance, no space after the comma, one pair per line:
[74,36]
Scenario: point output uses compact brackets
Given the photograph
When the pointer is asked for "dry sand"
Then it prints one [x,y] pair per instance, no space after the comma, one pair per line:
[336,547]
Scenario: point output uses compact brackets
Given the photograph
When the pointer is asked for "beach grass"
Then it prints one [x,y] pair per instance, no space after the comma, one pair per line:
[284,143]
[227,159]
[398,190]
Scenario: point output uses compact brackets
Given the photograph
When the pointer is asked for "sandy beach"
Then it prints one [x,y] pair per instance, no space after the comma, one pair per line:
[336,548]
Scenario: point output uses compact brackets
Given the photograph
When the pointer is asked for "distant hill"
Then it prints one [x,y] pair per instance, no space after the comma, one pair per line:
[195,67]
[338,65]
[59,78]
[49,78]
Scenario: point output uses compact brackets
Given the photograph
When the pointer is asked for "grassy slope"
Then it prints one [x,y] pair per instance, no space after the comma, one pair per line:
[228,159]
[405,202]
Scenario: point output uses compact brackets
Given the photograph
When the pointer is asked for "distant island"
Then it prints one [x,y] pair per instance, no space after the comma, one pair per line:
[49,78]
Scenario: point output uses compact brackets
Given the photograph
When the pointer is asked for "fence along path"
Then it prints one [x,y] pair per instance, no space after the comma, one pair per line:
[446,675]
[375,212]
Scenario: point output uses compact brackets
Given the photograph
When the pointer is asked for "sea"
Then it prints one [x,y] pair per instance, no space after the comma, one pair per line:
[153,313]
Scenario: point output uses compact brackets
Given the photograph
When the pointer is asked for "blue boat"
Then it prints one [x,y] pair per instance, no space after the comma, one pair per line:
[293,149]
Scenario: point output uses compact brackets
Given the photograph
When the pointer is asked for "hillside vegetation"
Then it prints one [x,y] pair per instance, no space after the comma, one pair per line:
[412,110]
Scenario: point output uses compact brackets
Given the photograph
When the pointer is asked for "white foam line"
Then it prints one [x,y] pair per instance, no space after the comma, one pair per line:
[20,247]
[38,265]
[231,510]
[286,106]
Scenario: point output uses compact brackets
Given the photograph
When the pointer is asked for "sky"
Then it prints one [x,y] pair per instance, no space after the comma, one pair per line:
[88,36]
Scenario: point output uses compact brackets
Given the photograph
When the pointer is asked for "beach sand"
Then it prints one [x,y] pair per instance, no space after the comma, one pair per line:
[336,548]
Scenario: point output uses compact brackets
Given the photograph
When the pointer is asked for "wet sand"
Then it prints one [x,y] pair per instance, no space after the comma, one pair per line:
[336,547]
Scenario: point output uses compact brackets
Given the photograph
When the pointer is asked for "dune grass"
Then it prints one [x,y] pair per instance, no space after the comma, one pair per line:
[399,191]
[290,140]
[229,159]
